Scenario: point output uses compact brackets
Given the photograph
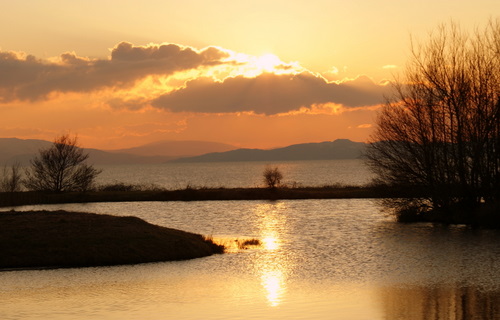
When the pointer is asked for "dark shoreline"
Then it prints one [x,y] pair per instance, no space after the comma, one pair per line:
[204,194]
[61,239]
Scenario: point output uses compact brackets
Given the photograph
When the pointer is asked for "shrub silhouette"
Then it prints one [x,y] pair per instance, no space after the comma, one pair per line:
[272,177]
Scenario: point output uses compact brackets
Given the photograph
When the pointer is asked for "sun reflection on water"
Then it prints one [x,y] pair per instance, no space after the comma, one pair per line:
[273,265]
[274,283]
[270,243]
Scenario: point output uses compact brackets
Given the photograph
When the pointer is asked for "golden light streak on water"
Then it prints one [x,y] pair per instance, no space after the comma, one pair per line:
[270,243]
[274,283]
[272,224]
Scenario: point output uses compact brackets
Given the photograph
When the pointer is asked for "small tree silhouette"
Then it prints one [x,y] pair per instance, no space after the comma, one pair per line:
[61,168]
[272,177]
[11,179]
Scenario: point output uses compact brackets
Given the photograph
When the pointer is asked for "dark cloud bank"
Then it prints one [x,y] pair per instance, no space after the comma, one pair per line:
[29,78]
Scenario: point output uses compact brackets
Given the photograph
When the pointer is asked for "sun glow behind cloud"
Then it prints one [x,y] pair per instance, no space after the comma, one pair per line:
[268,62]
[229,66]
[252,66]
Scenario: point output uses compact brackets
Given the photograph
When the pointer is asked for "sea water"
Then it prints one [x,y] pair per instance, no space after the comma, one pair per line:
[237,174]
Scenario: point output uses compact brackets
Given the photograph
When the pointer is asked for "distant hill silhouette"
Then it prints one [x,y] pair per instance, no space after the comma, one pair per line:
[177,149]
[338,149]
[19,150]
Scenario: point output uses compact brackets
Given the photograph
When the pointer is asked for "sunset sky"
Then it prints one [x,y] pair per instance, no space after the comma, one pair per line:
[249,73]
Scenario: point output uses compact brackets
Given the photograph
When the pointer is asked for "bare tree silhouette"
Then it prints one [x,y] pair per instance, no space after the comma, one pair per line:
[60,168]
[11,180]
[441,130]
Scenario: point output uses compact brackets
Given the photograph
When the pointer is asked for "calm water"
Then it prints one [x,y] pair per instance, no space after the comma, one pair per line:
[320,259]
[238,174]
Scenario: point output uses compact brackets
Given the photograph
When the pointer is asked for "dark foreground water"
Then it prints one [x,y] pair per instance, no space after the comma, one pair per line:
[320,259]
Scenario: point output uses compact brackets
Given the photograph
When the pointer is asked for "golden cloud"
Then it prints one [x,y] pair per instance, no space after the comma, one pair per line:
[364,126]
[269,94]
[24,77]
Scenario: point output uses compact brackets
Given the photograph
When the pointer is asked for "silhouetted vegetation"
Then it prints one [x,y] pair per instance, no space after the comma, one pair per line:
[272,177]
[207,194]
[11,180]
[62,167]
[247,243]
[127,187]
[440,132]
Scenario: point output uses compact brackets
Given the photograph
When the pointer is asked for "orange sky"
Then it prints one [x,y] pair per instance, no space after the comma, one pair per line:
[248,73]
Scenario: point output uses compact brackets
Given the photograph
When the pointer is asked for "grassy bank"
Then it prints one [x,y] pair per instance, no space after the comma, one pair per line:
[44,239]
[202,194]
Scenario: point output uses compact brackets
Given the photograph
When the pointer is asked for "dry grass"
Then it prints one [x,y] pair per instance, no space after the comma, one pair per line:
[248,243]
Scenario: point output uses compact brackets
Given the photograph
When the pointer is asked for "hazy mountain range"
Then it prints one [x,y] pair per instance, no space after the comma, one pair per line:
[176,149]
[13,149]
[328,150]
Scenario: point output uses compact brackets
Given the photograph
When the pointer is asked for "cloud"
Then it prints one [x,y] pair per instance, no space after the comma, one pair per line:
[21,132]
[137,77]
[127,104]
[269,94]
[24,77]
[364,126]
